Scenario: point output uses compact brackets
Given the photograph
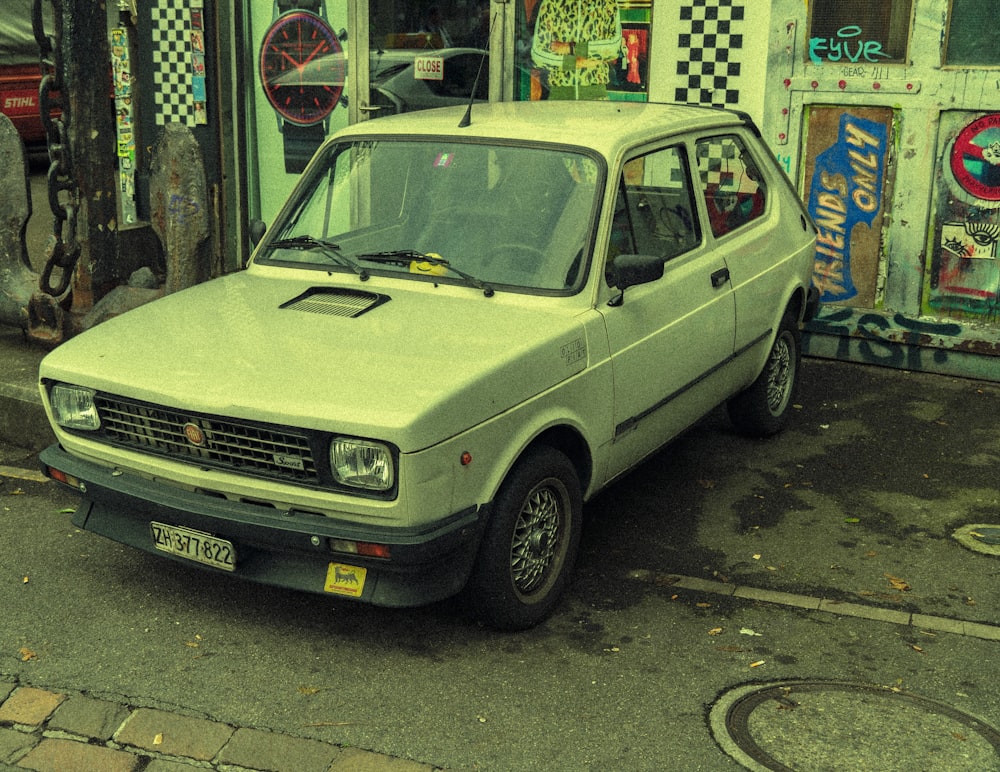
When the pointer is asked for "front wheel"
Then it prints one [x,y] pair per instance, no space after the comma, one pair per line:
[762,409]
[530,544]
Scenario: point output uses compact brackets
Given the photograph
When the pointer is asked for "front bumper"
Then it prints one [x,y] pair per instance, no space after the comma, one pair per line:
[284,549]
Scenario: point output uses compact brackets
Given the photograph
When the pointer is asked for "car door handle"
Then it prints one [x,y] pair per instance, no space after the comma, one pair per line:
[720,277]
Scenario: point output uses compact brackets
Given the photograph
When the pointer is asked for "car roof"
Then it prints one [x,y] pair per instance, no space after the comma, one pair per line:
[607,127]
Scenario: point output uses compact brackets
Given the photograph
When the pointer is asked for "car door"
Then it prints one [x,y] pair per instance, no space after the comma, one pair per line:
[743,220]
[670,339]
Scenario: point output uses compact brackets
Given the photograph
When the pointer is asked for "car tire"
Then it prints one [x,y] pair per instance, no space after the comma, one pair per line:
[530,544]
[762,409]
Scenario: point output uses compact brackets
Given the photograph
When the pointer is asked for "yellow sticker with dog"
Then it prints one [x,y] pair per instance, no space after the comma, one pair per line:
[345,580]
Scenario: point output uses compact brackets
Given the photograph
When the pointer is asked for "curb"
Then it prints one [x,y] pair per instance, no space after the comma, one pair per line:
[23,422]
[982,630]
[64,731]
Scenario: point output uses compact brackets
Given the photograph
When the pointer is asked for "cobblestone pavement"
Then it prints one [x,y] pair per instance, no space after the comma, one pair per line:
[63,731]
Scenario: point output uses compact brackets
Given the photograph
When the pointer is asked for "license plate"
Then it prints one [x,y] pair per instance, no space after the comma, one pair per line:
[194,545]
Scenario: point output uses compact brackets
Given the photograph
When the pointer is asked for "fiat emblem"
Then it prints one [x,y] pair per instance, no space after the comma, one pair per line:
[194,434]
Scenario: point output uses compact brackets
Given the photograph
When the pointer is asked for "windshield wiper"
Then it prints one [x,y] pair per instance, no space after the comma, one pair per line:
[403,257]
[328,248]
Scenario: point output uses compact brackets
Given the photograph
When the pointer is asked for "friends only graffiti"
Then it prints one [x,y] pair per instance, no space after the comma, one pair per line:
[846,190]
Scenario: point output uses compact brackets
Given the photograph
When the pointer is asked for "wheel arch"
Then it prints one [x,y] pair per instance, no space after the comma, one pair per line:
[571,444]
[796,304]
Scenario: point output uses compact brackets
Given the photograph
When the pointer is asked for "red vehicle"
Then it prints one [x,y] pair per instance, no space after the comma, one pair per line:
[20,73]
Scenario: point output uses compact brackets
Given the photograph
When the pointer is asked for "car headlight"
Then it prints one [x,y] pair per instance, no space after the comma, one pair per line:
[362,464]
[73,407]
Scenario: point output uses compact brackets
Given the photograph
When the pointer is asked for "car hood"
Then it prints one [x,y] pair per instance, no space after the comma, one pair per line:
[420,365]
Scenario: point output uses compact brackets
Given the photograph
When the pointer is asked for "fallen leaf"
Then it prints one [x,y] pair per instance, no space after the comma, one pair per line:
[896,583]
[852,519]
[308,690]
[715,631]
[25,580]
[756,557]
[703,605]
[706,483]
[758,663]
[26,654]
[192,644]
[916,648]
[748,631]
[158,740]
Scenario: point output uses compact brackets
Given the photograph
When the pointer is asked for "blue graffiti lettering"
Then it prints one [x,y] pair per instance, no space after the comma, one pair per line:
[846,189]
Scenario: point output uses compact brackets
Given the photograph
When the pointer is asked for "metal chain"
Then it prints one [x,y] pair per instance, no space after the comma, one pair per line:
[63,249]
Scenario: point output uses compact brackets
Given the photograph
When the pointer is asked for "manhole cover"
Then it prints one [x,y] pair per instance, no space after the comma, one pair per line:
[807,726]
[981,537]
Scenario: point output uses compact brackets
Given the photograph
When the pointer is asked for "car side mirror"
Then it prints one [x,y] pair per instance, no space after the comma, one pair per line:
[631,270]
[257,230]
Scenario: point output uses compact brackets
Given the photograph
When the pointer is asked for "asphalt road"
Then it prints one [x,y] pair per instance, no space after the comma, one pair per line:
[856,501]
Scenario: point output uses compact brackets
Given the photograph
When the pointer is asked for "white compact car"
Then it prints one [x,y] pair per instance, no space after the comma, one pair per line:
[455,333]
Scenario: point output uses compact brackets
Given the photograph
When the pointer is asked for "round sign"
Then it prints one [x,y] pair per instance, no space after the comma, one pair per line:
[975,158]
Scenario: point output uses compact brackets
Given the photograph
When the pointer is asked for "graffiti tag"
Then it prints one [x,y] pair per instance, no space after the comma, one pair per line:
[844,46]
[846,189]
[898,342]
[182,208]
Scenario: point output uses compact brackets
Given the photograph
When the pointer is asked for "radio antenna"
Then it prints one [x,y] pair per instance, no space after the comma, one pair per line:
[467,118]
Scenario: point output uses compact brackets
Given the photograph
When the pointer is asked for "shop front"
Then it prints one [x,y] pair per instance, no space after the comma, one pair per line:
[885,115]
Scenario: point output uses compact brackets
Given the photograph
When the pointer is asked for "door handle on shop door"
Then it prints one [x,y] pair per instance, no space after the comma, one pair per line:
[720,277]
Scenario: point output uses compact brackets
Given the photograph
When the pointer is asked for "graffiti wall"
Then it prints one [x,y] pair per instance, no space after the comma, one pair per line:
[887,118]
[963,274]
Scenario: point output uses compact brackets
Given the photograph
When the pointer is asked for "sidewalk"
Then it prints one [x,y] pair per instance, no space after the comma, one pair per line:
[59,731]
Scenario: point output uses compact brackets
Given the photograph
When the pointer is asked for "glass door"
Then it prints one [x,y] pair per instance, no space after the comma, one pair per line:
[420,54]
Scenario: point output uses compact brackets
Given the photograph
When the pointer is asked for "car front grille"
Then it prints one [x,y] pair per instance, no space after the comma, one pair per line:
[249,448]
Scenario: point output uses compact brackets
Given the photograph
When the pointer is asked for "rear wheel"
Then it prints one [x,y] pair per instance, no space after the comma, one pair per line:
[530,544]
[762,409]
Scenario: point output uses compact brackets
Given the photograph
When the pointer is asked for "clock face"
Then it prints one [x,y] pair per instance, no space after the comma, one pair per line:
[302,67]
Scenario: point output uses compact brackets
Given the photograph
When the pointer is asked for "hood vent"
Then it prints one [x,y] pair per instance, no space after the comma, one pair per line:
[335,302]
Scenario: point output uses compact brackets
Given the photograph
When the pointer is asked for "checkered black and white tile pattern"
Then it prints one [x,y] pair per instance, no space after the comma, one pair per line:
[171,38]
[710,43]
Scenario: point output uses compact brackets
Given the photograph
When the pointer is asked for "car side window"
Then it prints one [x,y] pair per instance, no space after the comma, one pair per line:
[654,211]
[731,183]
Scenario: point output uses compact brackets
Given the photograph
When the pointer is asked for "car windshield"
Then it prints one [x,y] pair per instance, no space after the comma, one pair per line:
[507,216]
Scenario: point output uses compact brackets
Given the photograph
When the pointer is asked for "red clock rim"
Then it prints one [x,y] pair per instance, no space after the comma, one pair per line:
[336,90]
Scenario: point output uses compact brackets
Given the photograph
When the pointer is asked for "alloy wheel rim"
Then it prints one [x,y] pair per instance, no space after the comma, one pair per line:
[779,379]
[537,546]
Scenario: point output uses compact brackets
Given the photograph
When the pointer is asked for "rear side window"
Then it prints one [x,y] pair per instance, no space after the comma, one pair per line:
[731,183]
[654,212]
